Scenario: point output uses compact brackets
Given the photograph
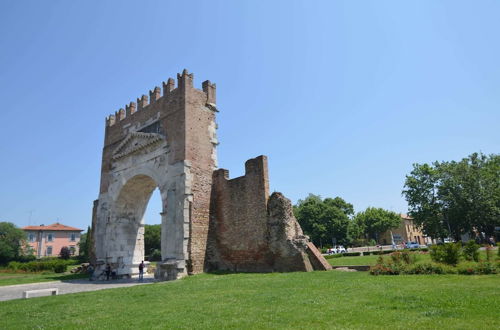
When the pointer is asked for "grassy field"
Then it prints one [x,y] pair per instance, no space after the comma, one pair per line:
[24,278]
[279,300]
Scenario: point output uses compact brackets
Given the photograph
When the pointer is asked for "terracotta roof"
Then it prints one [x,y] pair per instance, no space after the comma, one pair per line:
[406,216]
[54,226]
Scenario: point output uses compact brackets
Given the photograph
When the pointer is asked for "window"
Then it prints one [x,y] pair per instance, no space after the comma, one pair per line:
[72,250]
[72,237]
[31,237]
[49,250]
[50,237]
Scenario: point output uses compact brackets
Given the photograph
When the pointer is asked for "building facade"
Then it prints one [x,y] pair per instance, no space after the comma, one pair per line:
[406,232]
[47,241]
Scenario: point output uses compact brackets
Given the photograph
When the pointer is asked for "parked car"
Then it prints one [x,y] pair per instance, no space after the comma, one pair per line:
[336,249]
[412,245]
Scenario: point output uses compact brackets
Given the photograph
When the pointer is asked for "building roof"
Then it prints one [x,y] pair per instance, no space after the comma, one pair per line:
[53,227]
[405,216]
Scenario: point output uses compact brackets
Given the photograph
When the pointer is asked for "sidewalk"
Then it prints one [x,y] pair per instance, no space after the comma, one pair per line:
[72,286]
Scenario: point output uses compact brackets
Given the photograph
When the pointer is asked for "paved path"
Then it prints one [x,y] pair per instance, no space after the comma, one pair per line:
[16,291]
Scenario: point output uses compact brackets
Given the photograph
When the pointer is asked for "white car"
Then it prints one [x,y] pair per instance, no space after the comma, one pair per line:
[337,249]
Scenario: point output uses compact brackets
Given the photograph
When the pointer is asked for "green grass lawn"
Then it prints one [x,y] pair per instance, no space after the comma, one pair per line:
[24,278]
[279,300]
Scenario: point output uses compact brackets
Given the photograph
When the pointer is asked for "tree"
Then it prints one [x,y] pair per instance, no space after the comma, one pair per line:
[65,253]
[455,198]
[152,238]
[11,242]
[85,245]
[325,221]
[374,221]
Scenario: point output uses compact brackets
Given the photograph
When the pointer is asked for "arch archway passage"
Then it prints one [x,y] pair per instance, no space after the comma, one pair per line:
[167,142]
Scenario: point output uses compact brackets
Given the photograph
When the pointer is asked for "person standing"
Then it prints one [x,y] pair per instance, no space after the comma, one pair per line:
[141,270]
[108,271]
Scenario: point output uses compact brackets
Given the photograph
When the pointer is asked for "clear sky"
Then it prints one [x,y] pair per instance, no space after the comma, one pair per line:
[342,96]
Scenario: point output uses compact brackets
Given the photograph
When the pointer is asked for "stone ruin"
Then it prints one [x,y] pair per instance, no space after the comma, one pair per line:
[208,221]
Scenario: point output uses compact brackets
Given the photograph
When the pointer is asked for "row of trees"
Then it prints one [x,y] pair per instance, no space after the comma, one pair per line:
[332,221]
[449,199]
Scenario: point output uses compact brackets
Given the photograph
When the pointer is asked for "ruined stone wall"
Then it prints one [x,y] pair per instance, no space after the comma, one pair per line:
[240,219]
[254,232]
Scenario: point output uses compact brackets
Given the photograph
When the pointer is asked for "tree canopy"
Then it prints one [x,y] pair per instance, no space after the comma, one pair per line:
[11,240]
[455,198]
[374,221]
[152,238]
[325,221]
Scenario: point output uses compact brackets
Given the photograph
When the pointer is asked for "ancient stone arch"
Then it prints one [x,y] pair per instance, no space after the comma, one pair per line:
[209,222]
[166,142]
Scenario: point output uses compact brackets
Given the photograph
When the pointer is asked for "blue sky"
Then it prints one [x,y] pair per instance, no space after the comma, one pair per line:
[342,96]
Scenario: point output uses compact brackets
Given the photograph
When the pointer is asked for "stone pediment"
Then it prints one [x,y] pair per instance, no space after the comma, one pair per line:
[136,141]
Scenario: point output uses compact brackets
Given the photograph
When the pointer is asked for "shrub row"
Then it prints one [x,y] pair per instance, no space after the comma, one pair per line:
[55,265]
[379,252]
[480,268]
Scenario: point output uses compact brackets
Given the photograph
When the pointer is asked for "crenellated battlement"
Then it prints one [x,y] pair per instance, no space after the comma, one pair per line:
[184,83]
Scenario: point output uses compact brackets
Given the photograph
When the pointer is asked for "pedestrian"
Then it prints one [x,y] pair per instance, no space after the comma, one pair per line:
[141,270]
[492,241]
[90,271]
[108,271]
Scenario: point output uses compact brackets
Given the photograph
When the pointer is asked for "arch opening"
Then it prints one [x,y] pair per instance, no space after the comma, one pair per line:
[127,224]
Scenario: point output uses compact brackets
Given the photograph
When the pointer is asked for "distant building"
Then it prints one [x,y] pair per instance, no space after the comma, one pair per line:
[48,241]
[406,232]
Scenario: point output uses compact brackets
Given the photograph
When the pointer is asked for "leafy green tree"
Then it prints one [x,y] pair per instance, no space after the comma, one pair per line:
[11,242]
[152,238]
[454,198]
[374,221]
[325,221]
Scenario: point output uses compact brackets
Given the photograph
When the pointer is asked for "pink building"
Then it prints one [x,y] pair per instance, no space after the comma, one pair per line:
[47,241]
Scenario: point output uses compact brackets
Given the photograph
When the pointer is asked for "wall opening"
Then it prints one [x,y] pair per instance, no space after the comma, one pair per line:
[152,227]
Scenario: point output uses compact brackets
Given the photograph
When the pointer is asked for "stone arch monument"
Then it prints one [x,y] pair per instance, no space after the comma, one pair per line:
[209,222]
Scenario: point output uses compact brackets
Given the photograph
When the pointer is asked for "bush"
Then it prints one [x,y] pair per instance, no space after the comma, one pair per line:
[489,252]
[65,253]
[396,257]
[471,251]
[429,268]
[59,268]
[447,253]
[481,268]
[385,269]
[155,255]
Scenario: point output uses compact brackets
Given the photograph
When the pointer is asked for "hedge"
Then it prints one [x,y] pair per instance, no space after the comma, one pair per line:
[55,265]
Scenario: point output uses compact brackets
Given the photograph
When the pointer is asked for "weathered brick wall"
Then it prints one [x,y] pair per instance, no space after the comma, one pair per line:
[240,220]
[201,142]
